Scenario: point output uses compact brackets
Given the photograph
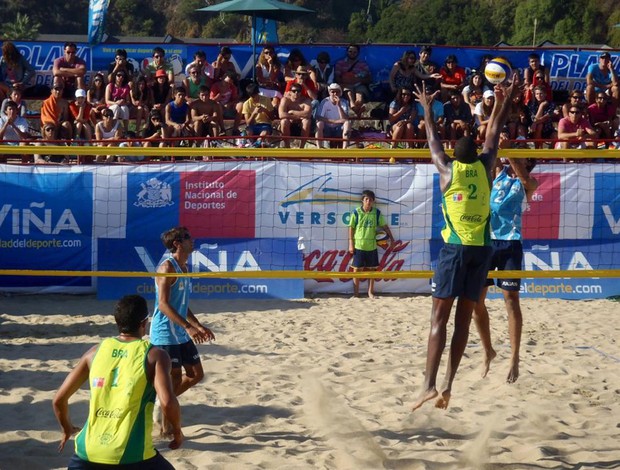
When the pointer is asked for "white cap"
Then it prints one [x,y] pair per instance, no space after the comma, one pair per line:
[334,86]
[488,94]
[80,93]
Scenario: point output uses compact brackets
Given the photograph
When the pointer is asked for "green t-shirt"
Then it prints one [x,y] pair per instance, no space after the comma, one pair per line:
[365,225]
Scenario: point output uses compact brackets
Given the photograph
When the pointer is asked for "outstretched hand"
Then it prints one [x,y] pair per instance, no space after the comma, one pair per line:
[423,97]
[507,90]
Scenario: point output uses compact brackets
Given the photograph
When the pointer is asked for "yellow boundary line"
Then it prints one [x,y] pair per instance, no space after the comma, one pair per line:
[578,274]
[395,154]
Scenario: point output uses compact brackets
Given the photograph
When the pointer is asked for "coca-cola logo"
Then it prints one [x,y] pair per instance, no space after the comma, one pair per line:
[475,218]
[340,260]
[116,413]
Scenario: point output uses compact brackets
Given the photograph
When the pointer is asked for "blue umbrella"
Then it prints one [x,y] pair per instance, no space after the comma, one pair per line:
[270,9]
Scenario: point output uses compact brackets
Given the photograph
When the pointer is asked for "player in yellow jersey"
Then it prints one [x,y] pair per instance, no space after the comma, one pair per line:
[124,373]
[463,261]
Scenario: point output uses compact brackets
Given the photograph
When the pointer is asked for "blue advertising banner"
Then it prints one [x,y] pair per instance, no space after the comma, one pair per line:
[145,254]
[606,206]
[47,226]
[568,67]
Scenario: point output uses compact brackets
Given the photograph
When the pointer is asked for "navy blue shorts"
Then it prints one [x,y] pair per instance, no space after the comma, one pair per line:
[507,256]
[154,463]
[461,271]
[256,129]
[365,259]
[182,354]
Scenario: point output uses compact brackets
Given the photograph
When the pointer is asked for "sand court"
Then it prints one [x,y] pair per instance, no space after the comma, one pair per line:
[328,383]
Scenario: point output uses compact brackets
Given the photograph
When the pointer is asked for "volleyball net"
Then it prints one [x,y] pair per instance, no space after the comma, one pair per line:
[278,219]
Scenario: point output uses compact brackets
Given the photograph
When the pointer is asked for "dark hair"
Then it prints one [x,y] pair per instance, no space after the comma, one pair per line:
[427,49]
[121,52]
[323,57]
[129,313]
[200,54]
[159,50]
[465,150]
[353,45]
[203,89]
[533,55]
[173,235]
[69,44]
[11,104]
[225,50]
[179,89]
[155,114]
[10,53]
[252,89]
[368,193]
[451,58]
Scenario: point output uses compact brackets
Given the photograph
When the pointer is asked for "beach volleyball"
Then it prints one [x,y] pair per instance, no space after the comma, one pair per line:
[497,70]
[383,240]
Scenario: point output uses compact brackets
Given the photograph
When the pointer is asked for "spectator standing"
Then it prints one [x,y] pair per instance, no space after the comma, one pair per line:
[295,113]
[602,77]
[403,117]
[353,75]
[121,64]
[71,69]
[332,117]
[117,97]
[364,224]
[80,111]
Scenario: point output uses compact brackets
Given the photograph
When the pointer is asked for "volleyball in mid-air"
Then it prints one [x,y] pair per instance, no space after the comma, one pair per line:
[497,70]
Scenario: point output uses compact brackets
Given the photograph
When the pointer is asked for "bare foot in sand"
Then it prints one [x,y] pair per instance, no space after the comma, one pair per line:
[513,373]
[426,396]
[443,400]
[371,295]
[486,365]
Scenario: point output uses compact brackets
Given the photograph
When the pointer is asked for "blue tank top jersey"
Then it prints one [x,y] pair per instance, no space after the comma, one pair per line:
[164,332]
[178,113]
[507,196]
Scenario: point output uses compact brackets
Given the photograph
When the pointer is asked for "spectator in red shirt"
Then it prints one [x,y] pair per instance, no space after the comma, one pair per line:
[576,129]
[603,116]
[80,110]
[452,77]
[302,78]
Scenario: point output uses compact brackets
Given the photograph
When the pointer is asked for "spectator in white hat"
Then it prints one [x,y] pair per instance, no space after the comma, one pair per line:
[332,117]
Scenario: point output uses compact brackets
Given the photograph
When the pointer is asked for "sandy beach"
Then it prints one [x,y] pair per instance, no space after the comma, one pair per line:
[328,383]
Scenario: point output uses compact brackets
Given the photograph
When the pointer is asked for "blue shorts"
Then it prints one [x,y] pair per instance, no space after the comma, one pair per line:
[256,129]
[507,256]
[182,354]
[154,463]
[461,271]
[365,259]
[332,131]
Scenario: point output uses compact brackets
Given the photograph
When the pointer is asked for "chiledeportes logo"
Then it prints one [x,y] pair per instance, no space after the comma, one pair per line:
[154,193]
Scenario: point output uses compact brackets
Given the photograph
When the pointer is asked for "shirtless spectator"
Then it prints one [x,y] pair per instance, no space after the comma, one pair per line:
[295,116]
[121,64]
[80,111]
[258,113]
[55,110]
[205,115]
[602,77]
[603,116]
[353,75]
[70,69]
[332,117]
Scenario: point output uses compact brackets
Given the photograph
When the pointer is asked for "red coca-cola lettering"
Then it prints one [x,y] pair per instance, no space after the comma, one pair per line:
[340,260]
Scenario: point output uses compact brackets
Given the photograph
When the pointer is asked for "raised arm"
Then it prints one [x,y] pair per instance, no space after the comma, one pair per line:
[519,166]
[503,99]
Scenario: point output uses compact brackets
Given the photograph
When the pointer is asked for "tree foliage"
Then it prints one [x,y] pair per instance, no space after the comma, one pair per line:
[457,22]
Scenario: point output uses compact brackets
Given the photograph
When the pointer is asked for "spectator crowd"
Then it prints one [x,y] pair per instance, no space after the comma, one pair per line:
[314,101]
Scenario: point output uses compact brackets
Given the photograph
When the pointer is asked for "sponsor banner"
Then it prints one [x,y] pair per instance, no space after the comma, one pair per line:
[97,10]
[606,224]
[568,67]
[46,223]
[546,255]
[145,254]
[541,215]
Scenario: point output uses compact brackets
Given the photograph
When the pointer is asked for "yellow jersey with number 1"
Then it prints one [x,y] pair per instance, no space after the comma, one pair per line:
[120,416]
[466,205]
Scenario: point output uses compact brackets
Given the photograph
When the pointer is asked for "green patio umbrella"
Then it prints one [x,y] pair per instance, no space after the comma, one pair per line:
[270,9]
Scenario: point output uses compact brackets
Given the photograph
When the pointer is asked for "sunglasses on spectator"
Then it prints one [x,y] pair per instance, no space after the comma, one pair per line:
[120,74]
[406,94]
[57,88]
[574,111]
[193,72]
[577,97]
[49,129]
[295,90]
[107,115]
[97,80]
[70,52]
[158,56]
